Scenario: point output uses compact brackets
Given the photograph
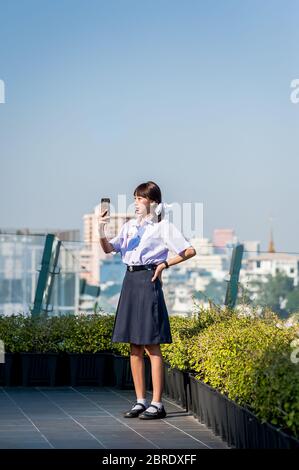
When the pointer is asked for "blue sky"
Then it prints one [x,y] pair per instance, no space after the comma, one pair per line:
[195,95]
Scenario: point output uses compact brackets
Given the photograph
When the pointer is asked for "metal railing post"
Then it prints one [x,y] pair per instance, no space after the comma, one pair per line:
[232,286]
[46,274]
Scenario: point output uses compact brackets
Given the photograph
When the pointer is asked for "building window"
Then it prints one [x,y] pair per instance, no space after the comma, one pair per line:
[258,264]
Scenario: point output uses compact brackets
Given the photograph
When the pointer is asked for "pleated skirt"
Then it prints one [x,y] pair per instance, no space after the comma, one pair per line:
[141,314]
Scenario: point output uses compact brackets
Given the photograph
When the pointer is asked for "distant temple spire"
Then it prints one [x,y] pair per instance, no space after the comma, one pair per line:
[271,248]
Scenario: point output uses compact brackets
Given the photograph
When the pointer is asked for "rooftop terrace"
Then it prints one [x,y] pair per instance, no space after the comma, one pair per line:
[92,418]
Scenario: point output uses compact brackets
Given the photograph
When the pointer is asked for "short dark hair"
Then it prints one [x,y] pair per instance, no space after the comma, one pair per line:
[150,190]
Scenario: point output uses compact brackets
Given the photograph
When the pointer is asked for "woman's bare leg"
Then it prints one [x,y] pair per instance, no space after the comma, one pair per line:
[137,368]
[155,355]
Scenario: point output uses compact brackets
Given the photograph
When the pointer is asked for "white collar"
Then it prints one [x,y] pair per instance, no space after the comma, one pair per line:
[147,219]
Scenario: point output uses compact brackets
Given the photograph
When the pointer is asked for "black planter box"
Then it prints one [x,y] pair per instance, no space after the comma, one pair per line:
[236,425]
[123,374]
[176,385]
[38,368]
[109,379]
[90,368]
[6,369]
[63,370]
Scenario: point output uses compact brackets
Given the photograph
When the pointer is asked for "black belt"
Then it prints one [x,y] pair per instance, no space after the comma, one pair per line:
[138,267]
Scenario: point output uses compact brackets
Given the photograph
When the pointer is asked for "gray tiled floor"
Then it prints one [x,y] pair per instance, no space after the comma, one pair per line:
[92,418]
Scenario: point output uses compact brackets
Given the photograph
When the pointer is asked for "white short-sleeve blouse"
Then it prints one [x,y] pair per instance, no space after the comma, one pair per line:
[148,243]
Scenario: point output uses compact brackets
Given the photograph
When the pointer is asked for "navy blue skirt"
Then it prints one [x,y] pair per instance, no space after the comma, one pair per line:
[141,315]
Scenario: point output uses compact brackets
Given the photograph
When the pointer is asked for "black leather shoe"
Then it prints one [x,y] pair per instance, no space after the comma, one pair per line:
[160,413]
[134,413]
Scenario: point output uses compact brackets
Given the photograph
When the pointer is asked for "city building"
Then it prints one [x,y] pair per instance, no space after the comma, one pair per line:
[223,237]
[258,267]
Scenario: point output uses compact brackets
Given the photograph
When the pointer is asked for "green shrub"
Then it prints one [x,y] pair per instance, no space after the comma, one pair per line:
[276,395]
[33,334]
[122,349]
[11,332]
[248,359]
[69,333]
[37,335]
[88,333]
[225,354]
[184,329]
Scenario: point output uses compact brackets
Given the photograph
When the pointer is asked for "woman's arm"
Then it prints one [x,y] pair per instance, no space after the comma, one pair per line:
[183,256]
[107,247]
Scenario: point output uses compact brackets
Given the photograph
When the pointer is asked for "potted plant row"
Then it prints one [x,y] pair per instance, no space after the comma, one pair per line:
[65,350]
[234,373]
[240,381]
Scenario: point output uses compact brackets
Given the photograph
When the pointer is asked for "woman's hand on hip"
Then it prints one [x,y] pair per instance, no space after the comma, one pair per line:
[158,273]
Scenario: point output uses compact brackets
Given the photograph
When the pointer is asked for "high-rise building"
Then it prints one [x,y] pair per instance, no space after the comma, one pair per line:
[223,236]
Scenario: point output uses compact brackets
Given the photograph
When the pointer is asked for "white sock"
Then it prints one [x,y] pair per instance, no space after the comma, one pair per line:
[151,409]
[140,400]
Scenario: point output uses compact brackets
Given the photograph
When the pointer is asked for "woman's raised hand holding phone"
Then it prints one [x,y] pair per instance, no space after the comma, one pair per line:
[104,214]
[103,218]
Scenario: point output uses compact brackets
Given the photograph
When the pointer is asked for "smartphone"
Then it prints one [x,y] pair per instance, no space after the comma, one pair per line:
[105,206]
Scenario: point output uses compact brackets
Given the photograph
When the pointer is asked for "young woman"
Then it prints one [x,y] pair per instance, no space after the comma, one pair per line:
[141,316]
